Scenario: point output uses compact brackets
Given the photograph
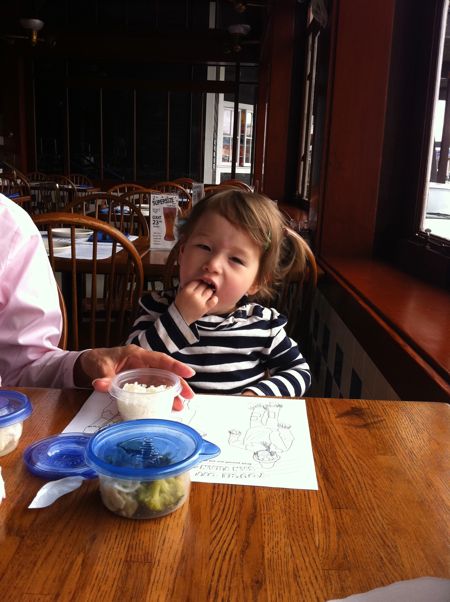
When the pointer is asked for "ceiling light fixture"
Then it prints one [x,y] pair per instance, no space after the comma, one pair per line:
[238,32]
[34,26]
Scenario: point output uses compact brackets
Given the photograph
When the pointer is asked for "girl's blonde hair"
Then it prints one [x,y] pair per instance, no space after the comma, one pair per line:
[282,249]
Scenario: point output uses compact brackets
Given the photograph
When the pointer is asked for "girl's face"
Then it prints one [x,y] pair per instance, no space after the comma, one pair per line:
[224,257]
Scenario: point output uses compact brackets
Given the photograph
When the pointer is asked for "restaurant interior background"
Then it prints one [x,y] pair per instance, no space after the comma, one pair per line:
[323,105]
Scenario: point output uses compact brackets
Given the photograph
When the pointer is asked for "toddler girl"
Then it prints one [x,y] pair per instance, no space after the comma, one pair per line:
[233,250]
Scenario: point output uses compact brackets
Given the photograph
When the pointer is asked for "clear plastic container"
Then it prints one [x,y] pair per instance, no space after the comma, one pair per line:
[154,399]
[15,407]
[143,465]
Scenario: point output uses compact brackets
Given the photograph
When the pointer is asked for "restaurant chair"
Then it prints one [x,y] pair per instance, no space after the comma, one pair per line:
[185,198]
[294,297]
[238,183]
[8,168]
[122,214]
[83,184]
[212,188]
[79,179]
[141,198]
[46,197]
[101,282]
[67,189]
[119,189]
[65,321]
[37,176]
[185,182]
[15,186]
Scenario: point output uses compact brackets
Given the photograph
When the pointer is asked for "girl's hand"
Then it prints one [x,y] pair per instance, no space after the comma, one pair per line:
[195,300]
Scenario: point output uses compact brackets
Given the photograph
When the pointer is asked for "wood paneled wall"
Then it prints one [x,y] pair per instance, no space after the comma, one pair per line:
[352,168]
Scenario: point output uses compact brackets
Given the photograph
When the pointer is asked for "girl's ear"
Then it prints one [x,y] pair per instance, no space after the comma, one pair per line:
[253,289]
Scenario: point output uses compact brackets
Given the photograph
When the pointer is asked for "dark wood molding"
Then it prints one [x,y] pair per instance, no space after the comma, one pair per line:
[401,322]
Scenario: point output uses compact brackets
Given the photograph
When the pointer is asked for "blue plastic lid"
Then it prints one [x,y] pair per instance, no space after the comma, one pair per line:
[14,407]
[147,449]
[59,456]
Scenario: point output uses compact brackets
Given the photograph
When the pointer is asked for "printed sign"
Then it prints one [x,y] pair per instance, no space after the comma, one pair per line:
[163,221]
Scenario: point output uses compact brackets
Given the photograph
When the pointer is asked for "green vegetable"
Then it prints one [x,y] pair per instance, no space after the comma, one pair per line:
[162,494]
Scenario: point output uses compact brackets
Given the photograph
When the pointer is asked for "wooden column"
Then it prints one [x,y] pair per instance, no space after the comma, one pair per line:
[274,102]
[359,77]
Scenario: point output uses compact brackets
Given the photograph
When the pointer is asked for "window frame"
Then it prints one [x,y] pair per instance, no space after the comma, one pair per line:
[432,91]
[308,124]
[398,237]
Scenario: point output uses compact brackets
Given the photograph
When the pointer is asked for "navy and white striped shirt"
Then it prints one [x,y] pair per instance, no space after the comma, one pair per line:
[245,350]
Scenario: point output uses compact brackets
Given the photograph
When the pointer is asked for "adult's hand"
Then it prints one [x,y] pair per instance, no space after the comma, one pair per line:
[96,367]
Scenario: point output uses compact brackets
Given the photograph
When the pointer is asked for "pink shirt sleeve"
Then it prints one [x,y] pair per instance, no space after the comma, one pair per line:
[30,316]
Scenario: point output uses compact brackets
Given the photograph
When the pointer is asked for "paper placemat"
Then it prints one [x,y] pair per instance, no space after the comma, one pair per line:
[263,440]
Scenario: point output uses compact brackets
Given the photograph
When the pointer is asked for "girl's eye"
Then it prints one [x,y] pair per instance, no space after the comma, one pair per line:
[237,260]
[203,246]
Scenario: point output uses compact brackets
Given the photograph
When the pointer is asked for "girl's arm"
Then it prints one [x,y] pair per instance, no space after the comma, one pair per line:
[289,373]
[160,326]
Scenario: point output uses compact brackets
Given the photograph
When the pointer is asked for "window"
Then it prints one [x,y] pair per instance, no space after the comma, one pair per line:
[246,136]
[410,120]
[225,131]
[227,138]
[436,208]
[245,124]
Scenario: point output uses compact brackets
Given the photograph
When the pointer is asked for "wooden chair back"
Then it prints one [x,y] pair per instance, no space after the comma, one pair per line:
[37,176]
[185,182]
[79,179]
[46,197]
[67,188]
[295,295]
[12,184]
[101,293]
[122,214]
[123,187]
[221,187]
[185,197]
[141,198]
[238,184]
[65,321]
[15,186]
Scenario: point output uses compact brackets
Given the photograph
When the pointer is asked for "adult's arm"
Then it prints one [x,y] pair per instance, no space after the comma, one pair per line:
[30,315]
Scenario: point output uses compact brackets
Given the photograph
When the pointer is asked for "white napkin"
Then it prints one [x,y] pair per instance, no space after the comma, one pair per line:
[2,487]
[53,490]
[422,589]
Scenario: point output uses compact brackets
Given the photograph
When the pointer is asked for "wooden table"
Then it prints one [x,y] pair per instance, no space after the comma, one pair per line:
[64,264]
[381,515]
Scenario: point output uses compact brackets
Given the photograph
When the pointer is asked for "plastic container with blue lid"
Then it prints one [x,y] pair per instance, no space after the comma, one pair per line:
[59,456]
[143,465]
[15,407]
